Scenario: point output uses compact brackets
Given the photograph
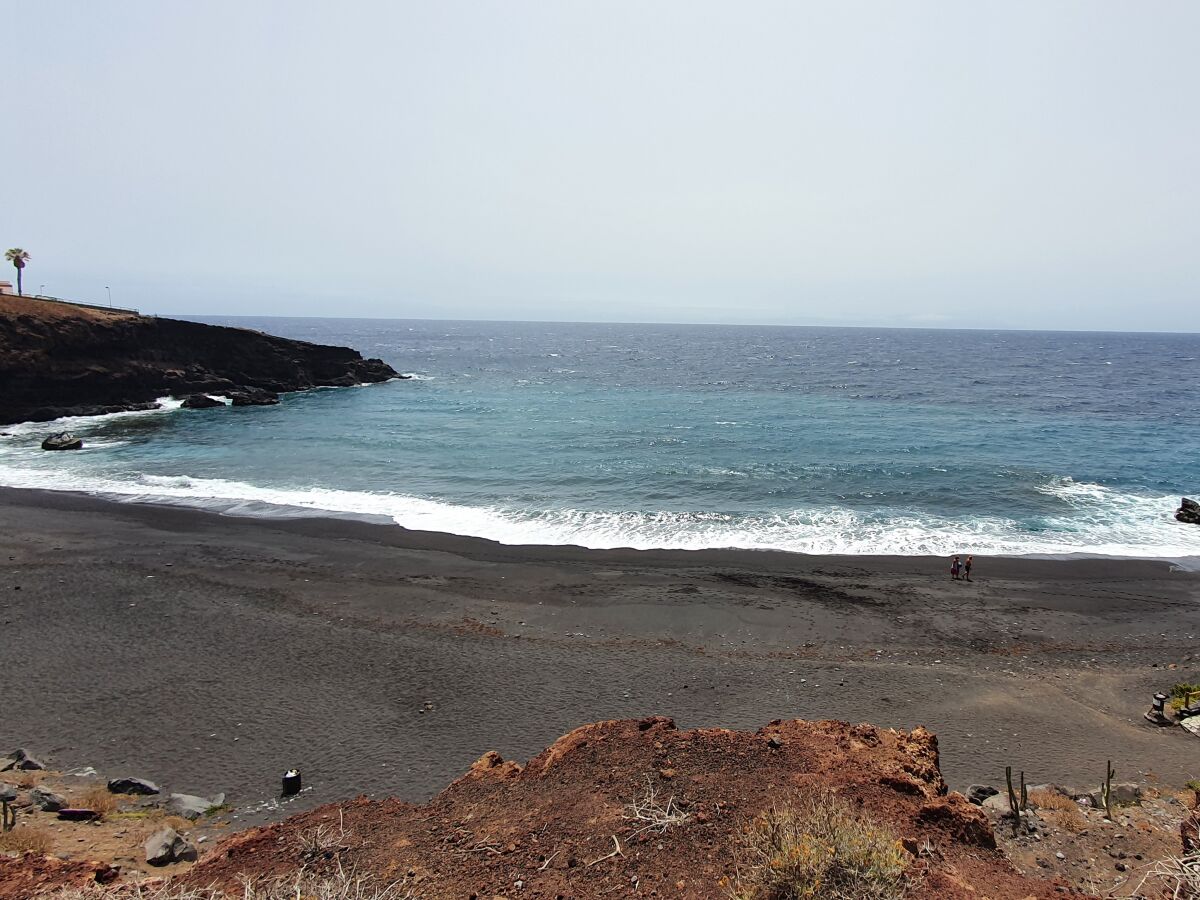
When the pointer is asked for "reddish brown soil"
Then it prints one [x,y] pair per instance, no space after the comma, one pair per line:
[25,877]
[550,829]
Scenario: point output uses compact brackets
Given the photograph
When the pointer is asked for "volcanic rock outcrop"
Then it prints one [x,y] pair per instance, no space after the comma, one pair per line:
[60,360]
[1188,512]
[638,807]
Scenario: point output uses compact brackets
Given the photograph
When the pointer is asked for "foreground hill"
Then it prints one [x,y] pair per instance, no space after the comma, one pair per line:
[641,808]
[58,359]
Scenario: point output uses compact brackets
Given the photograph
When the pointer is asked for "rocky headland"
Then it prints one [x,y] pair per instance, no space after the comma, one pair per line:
[57,360]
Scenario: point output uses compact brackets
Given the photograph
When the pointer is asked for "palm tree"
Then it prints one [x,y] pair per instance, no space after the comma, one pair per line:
[17,257]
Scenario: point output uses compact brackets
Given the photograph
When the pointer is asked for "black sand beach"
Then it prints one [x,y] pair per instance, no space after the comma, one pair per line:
[211,653]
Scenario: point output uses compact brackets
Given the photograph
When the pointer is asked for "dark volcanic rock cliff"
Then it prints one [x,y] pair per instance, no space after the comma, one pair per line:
[58,360]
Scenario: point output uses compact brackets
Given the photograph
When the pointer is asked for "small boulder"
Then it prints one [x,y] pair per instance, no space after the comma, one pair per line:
[1123,794]
[201,401]
[167,846]
[977,793]
[132,786]
[64,440]
[8,793]
[192,807]
[47,800]
[19,759]
[1188,512]
[998,802]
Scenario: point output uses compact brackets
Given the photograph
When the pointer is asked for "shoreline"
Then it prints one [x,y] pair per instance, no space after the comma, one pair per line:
[213,652]
[421,539]
[235,509]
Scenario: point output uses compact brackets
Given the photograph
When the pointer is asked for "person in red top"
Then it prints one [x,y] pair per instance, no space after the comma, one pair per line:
[955,568]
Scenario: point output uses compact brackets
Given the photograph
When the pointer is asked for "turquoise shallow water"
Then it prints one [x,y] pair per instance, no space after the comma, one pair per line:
[807,439]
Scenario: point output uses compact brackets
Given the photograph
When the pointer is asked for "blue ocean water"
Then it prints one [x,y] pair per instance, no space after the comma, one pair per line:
[822,440]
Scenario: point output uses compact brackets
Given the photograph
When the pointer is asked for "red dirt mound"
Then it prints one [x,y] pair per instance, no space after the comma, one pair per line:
[22,877]
[565,824]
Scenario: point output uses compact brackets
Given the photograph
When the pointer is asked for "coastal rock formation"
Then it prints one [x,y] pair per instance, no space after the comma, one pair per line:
[638,806]
[64,440]
[59,360]
[1189,512]
[253,397]
[200,401]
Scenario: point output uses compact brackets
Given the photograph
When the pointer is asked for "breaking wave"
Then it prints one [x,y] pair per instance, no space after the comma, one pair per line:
[1098,521]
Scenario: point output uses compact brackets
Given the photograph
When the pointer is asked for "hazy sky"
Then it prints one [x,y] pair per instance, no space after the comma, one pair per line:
[1013,164]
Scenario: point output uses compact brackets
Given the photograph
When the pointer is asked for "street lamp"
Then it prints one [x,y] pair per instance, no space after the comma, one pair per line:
[41,290]
[107,288]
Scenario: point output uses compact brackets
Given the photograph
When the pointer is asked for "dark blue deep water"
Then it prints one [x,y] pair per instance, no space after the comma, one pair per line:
[808,439]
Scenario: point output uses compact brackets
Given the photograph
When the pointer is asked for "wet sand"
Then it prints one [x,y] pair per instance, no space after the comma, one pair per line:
[211,653]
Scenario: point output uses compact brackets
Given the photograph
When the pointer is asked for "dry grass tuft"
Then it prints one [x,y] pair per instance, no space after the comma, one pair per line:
[1072,820]
[1174,877]
[1052,800]
[342,886]
[98,800]
[26,839]
[816,847]
[654,814]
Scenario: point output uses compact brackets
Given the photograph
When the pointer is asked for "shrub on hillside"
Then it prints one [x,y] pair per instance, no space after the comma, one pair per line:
[816,847]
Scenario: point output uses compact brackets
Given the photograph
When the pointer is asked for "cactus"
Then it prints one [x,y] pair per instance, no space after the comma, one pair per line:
[1013,807]
[1106,790]
[1024,793]
[8,816]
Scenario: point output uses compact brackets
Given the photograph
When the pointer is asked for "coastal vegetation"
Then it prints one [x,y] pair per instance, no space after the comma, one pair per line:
[815,846]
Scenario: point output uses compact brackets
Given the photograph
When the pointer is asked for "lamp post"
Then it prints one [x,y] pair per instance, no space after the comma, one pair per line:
[107,288]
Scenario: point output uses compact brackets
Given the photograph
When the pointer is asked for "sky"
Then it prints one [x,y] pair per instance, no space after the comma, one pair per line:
[960,164]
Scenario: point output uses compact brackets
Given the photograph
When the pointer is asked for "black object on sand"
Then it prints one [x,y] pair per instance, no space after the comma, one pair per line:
[291,782]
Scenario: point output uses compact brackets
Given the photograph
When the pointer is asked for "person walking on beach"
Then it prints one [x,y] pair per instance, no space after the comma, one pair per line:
[955,568]
[967,567]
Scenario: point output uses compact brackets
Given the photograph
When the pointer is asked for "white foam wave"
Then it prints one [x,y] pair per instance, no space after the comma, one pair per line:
[1102,522]
[78,423]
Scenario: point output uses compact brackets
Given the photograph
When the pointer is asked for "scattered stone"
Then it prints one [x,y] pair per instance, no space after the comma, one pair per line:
[132,786]
[996,801]
[192,807]
[167,846]
[8,793]
[20,759]
[1123,794]
[1188,512]
[76,814]
[47,800]
[977,793]
[201,401]
[63,440]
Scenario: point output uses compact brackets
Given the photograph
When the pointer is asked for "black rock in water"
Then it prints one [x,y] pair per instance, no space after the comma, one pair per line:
[201,401]
[253,397]
[64,440]
[1188,512]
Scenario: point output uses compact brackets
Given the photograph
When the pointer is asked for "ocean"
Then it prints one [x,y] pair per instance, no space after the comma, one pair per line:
[817,440]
